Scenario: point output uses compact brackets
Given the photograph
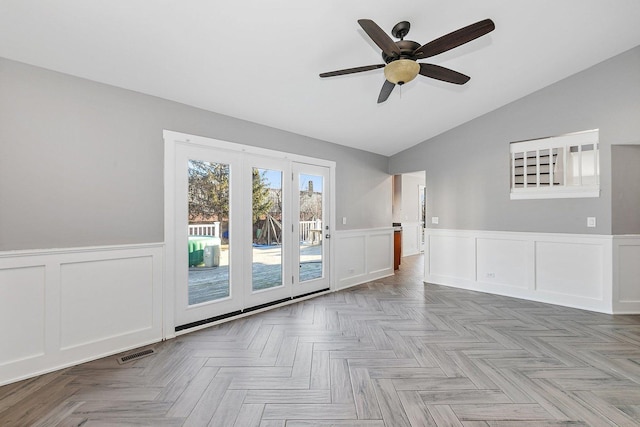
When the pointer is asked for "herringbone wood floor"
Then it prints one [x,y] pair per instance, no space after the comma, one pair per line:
[390,353]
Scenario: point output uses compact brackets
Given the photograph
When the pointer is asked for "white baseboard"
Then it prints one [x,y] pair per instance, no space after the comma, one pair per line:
[62,307]
[591,272]
[363,256]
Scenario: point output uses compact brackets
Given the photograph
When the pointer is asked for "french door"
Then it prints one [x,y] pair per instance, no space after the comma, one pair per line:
[268,244]
[207,273]
[250,230]
[311,225]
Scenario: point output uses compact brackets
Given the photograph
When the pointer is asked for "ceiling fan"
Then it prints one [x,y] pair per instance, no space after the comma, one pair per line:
[401,57]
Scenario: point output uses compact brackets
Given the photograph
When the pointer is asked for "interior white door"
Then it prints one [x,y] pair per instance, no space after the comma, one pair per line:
[311,227]
[207,266]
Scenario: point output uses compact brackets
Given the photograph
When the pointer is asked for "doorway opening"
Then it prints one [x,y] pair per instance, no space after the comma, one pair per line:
[409,210]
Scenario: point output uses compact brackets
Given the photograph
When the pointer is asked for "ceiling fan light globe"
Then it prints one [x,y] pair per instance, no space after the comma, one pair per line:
[401,71]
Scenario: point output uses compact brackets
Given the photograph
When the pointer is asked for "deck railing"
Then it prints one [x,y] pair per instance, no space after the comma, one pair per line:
[205,229]
[310,231]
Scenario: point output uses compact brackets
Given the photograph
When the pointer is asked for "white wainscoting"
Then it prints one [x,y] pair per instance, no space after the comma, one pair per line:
[581,271]
[411,238]
[62,307]
[363,255]
[626,274]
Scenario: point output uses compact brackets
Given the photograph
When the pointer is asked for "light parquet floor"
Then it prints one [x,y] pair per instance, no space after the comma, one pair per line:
[389,353]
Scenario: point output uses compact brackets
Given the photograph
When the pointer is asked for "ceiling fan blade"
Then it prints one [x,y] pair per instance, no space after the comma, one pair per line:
[445,74]
[351,70]
[387,88]
[455,39]
[379,37]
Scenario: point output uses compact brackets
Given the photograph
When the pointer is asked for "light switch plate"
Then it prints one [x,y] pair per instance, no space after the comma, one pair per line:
[591,221]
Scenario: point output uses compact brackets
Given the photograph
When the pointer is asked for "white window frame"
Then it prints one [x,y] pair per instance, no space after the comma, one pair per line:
[579,186]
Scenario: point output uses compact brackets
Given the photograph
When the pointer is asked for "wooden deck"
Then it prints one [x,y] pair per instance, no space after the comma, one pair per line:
[208,284]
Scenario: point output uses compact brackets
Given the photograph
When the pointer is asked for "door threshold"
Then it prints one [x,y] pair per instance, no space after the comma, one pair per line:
[216,320]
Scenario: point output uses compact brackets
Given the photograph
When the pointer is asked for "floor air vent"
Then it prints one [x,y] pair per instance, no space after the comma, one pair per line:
[137,355]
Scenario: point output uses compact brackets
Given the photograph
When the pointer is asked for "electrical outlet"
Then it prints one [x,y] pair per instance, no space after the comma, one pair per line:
[344,220]
[434,220]
[591,221]
[491,275]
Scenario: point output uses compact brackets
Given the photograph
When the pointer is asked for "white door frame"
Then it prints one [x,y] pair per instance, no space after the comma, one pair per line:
[422,188]
[173,138]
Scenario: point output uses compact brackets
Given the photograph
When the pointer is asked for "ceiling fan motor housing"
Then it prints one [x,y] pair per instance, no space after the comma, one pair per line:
[407,47]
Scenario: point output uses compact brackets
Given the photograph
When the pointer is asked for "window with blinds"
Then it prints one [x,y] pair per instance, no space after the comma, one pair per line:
[556,167]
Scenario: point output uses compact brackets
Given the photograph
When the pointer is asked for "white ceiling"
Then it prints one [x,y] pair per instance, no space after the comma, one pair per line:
[259,60]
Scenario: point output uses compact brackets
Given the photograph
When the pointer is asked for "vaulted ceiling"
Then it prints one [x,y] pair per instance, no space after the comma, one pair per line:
[259,60]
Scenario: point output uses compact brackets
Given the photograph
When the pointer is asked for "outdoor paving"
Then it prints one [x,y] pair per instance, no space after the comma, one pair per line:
[211,283]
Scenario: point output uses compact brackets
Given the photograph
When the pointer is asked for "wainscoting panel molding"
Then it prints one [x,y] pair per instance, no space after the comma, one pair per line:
[592,272]
[572,270]
[503,262]
[626,274]
[21,325]
[61,307]
[456,268]
[363,255]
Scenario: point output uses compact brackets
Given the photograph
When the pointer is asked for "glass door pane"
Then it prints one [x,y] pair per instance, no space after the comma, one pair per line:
[312,228]
[266,268]
[207,280]
[208,243]
[310,253]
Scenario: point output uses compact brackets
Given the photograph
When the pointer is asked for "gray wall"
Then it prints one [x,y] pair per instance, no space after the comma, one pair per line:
[81,163]
[625,179]
[468,167]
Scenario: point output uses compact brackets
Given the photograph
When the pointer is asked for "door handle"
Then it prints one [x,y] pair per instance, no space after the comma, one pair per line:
[327,236]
